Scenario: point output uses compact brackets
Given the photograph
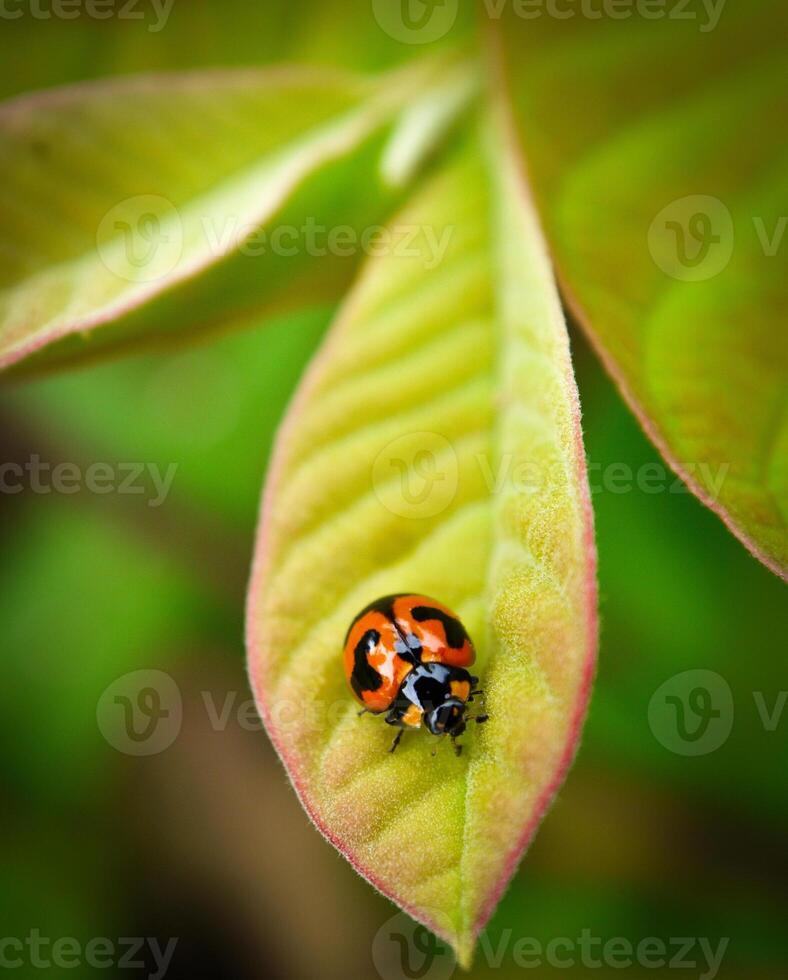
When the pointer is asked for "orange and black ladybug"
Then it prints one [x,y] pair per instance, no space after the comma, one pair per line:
[406,655]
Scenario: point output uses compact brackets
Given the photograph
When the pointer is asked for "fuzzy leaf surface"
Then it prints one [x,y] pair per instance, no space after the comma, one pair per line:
[154,204]
[434,447]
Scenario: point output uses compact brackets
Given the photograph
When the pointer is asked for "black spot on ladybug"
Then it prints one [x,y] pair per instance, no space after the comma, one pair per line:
[384,605]
[453,628]
[408,646]
[364,676]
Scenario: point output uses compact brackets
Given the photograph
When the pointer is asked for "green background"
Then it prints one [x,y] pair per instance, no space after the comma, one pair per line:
[205,841]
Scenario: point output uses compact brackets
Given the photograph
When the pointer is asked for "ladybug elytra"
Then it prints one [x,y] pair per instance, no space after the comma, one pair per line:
[407,655]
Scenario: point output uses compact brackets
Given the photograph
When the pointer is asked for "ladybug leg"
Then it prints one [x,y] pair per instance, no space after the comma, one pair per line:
[363,711]
[474,693]
[397,737]
[480,719]
[457,748]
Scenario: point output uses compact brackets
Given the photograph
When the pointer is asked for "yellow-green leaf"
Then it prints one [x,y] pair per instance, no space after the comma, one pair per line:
[434,447]
[657,152]
[148,205]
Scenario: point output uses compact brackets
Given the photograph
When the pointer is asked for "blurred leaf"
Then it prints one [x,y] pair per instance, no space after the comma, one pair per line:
[714,608]
[657,152]
[465,363]
[114,194]
[39,53]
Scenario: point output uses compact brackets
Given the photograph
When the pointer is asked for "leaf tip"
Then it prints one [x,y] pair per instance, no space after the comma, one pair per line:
[464,948]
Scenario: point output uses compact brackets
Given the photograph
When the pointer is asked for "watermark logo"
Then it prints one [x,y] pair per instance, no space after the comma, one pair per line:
[141,712]
[405,950]
[692,238]
[39,476]
[38,951]
[155,13]
[705,13]
[416,21]
[416,475]
[692,713]
[141,238]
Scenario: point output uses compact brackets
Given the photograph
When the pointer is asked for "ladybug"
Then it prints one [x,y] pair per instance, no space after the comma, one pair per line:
[407,655]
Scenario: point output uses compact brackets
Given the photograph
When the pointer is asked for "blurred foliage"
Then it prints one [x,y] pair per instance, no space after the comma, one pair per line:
[622,155]
[206,33]
[210,408]
[207,841]
[641,842]
[676,594]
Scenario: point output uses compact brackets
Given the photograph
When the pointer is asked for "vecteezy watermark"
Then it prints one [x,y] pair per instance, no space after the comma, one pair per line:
[416,21]
[286,714]
[99,953]
[706,12]
[141,712]
[424,21]
[41,477]
[692,712]
[418,475]
[426,242]
[617,952]
[654,478]
[404,949]
[155,13]
[142,239]
[692,238]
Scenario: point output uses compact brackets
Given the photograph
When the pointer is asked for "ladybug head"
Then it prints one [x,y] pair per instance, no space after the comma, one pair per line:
[447,719]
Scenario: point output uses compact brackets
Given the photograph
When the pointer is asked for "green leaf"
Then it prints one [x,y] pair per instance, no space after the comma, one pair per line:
[657,154]
[135,205]
[434,447]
